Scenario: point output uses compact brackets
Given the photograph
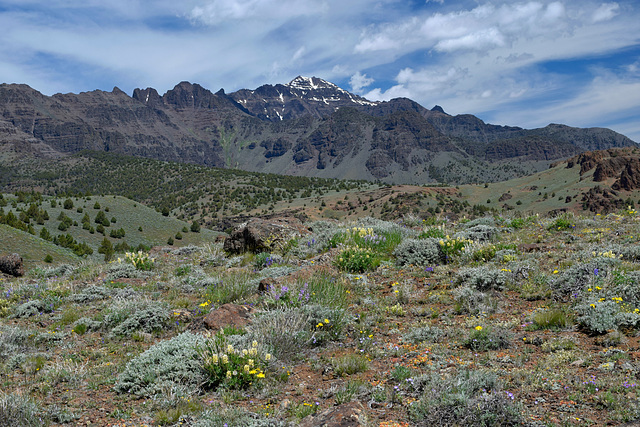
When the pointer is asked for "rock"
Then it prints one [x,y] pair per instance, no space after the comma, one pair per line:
[505,196]
[529,247]
[260,235]
[234,315]
[346,415]
[12,265]
[266,284]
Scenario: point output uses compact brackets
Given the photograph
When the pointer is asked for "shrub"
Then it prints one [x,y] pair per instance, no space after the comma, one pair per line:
[486,220]
[265,259]
[488,338]
[140,260]
[229,367]
[357,260]
[284,331]
[234,416]
[118,271]
[90,293]
[14,340]
[31,308]
[471,398]
[428,334]
[551,319]
[472,301]
[578,277]
[170,363]
[349,364]
[19,410]
[478,233]
[230,287]
[126,317]
[482,278]
[453,247]
[423,252]
[562,223]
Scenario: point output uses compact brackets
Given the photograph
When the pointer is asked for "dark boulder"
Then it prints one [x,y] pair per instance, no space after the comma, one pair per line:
[262,235]
[12,265]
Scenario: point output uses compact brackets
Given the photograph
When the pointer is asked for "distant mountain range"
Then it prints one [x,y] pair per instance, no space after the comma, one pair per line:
[307,127]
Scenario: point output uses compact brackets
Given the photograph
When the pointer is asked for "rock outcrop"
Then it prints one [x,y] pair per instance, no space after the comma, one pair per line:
[12,265]
[260,235]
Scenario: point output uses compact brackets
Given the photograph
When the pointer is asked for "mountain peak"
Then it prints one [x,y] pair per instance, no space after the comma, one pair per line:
[310,83]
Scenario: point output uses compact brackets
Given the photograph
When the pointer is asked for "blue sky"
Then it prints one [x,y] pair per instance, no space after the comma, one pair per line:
[525,64]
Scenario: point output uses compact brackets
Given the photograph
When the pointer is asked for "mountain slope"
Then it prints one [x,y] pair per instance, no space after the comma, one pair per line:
[308,127]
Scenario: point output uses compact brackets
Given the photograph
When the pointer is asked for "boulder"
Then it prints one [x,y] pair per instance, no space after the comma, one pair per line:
[12,265]
[262,235]
[229,315]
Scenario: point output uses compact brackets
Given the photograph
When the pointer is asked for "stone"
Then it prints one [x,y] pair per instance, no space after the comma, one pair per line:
[262,235]
[346,415]
[229,314]
[12,265]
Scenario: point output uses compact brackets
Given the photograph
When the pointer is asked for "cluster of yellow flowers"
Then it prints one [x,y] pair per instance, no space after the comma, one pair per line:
[248,368]
[140,260]
[361,231]
[608,254]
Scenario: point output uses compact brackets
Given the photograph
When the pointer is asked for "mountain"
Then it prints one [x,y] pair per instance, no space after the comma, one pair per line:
[308,127]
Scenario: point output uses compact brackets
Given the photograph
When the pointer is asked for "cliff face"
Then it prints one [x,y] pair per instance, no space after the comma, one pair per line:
[306,127]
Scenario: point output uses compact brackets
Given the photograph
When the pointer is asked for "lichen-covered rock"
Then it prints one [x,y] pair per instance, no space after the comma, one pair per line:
[12,265]
[262,235]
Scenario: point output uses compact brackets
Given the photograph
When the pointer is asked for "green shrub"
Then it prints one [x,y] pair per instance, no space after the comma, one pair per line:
[265,259]
[165,365]
[562,223]
[357,260]
[432,232]
[229,367]
[488,338]
[423,252]
[553,318]
[350,364]
[231,287]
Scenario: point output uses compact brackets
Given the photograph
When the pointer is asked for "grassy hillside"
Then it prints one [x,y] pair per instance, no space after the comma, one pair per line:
[141,225]
[32,249]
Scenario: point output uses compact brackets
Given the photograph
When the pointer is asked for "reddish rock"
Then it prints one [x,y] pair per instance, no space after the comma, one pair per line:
[346,415]
[12,265]
[234,315]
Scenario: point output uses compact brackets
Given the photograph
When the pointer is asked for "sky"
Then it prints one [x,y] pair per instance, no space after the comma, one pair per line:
[526,64]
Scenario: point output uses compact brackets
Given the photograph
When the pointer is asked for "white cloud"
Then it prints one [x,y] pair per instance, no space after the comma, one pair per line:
[359,81]
[605,12]
[219,11]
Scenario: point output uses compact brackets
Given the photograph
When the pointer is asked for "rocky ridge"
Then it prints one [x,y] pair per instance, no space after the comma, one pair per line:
[307,127]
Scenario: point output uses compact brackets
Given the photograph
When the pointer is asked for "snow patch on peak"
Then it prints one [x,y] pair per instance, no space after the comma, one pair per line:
[310,83]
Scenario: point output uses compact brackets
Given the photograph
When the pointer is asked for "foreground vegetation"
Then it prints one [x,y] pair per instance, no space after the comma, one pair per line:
[497,321]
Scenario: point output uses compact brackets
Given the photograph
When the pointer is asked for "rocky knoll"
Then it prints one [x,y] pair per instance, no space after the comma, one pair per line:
[307,127]
[623,165]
